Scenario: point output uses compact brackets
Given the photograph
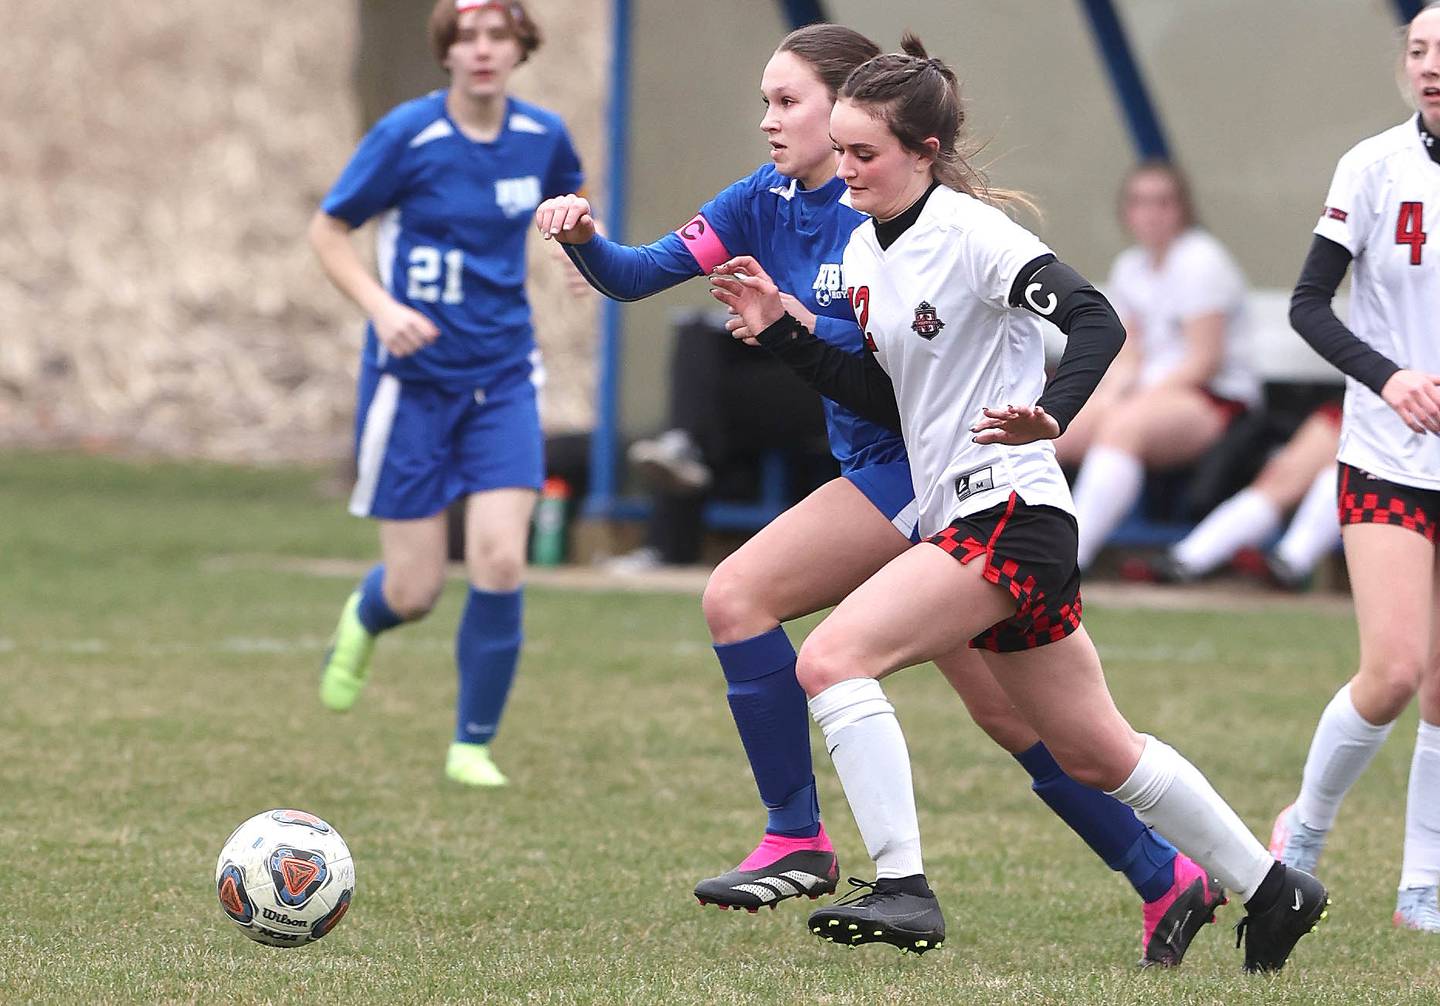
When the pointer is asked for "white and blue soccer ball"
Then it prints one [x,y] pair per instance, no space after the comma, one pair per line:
[285,878]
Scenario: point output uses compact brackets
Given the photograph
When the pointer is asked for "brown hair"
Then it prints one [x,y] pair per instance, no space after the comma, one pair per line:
[918,97]
[832,50]
[445,26]
[1177,177]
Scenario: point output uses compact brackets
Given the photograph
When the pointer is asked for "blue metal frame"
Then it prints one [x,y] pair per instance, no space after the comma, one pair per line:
[803,12]
[1407,9]
[601,498]
[1126,79]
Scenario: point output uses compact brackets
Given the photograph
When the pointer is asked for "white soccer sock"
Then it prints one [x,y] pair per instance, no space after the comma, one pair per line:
[1315,529]
[1247,518]
[868,749]
[1173,797]
[1421,865]
[1342,748]
[1106,489]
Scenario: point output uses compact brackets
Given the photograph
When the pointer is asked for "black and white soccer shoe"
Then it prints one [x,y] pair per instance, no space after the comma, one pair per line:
[903,913]
[800,873]
[1271,935]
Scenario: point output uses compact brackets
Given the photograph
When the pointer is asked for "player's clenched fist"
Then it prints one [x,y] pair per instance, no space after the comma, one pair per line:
[565,218]
[403,330]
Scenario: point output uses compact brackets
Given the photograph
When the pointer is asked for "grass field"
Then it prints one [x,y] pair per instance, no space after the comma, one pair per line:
[153,695]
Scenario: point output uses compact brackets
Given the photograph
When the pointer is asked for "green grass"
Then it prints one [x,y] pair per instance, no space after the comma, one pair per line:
[151,698]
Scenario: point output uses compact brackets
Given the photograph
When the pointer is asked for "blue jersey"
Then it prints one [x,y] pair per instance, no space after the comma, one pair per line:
[451,243]
[798,236]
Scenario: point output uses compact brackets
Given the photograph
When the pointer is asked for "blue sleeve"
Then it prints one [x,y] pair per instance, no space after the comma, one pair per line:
[371,182]
[730,213]
[625,272]
[565,174]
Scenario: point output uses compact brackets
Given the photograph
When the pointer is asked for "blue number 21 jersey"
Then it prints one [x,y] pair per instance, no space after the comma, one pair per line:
[451,242]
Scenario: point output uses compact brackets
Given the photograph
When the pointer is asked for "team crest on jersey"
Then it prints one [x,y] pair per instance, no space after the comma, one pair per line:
[927,323]
[828,284]
[515,196]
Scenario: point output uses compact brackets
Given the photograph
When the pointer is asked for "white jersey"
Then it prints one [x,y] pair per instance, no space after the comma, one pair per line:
[935,307]
[1376,208]
[1197,277]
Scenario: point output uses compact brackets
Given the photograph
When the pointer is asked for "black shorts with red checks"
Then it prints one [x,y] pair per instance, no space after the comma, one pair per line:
[1369,499]
[1030,551]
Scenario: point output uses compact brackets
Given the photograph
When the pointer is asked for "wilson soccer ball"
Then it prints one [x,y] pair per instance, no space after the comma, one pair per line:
[285,877]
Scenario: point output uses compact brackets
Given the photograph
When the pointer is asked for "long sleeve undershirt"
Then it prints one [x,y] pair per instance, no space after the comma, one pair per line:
[1312,315]
[633,272]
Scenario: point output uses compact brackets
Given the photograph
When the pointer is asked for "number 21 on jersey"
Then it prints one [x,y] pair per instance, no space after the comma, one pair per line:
[1410,229]
[423,275]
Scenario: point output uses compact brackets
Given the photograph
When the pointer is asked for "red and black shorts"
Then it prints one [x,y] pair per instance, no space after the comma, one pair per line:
[1030,551]
[1369,499]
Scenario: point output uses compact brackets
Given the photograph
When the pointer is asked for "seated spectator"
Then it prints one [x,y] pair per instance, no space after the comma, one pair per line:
[1302,476]
[729,404]
[1182,377]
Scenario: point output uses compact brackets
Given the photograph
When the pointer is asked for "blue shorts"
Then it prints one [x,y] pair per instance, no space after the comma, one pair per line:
[421,446]
[888,486]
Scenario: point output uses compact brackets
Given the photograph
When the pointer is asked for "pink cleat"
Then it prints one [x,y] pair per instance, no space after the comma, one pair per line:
[779,868]
[1173,921]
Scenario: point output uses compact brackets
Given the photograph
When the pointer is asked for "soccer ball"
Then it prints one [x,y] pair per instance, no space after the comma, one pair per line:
[285,877]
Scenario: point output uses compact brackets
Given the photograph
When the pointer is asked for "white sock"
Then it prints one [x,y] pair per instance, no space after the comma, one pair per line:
[868,749]
[1315,529]
[1341,750]
[1173,797]
[1421,865]
[1247,518]
[1106,489]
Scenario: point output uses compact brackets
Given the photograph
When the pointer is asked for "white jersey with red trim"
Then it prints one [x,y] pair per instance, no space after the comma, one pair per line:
[935,308]
[1384,191]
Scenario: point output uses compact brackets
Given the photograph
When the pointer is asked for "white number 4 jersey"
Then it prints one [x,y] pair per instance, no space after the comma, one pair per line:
[1385,195]
[935,308]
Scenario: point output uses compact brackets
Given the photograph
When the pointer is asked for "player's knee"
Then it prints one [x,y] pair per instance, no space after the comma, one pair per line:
[412,598]
[495,566]
[1391,681]
[1004,726]
[731,611]
[826,659]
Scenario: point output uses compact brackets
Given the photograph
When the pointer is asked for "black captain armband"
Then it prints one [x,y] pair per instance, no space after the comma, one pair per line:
[1045,287]
[1049,288]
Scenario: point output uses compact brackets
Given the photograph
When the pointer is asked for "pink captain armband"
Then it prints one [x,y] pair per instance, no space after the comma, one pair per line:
[703,243]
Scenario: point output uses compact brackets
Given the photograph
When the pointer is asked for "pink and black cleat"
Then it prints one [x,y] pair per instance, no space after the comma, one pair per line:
[1173,921]
[779,868]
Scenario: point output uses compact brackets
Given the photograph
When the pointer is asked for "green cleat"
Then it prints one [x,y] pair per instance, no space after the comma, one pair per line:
[471,764]
[347,662]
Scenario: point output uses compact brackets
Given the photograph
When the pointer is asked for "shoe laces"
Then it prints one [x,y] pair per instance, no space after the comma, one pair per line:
[862,892]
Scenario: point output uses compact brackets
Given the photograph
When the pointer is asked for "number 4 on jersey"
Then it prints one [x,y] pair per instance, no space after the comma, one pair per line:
[1410,229]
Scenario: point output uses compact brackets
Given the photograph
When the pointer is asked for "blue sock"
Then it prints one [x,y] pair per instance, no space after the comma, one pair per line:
[1109,827]
[487,648]
[774,723]
[374,613]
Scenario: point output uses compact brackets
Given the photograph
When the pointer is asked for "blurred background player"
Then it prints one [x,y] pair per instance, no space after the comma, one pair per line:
[1182,377]
[447,394]
[729,405]
[949,292]
[1301,476]
[1389,460]
[791,217]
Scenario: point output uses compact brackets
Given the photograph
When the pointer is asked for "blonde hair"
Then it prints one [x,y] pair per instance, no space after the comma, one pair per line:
[917,96]
[1402,80]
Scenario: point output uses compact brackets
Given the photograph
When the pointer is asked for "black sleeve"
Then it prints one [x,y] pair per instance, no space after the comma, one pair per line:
[1054,291]
[857,382]
[1312,316]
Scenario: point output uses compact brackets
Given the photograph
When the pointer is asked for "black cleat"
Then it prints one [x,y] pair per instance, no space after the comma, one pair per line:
[883,912]
[1271,935]
[811,872]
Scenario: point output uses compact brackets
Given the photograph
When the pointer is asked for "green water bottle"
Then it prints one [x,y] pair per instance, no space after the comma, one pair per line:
[547,540]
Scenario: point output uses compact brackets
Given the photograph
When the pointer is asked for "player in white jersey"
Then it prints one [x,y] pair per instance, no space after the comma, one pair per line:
[950,294]
[1183,376]
[1389,492]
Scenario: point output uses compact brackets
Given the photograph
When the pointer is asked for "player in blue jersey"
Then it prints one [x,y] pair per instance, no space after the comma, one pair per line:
[448,380]
[789,215]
